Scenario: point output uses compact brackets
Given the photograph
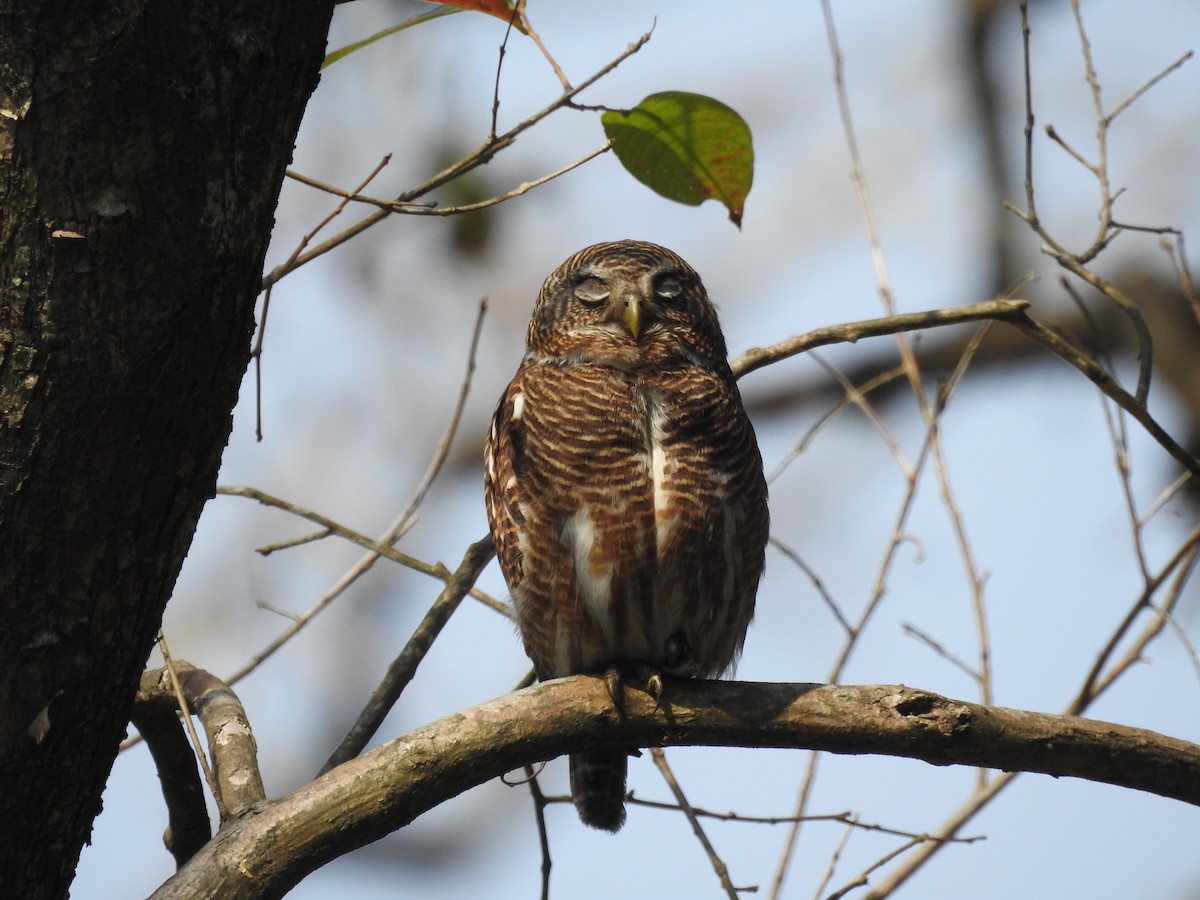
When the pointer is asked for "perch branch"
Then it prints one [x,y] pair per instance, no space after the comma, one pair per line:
[266,854]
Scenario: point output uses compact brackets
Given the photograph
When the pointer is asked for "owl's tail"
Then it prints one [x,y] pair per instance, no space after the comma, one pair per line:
[598,786]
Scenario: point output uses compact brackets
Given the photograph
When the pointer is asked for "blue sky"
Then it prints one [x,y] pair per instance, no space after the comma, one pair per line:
[365,354]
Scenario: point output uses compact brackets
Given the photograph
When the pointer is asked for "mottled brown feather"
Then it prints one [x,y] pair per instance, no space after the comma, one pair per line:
[624,485]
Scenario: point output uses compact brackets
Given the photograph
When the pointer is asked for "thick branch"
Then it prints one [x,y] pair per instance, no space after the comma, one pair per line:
[266,853]
[230,744]
[156,717]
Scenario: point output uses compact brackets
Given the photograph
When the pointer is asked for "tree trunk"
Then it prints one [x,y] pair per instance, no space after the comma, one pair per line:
[142,147]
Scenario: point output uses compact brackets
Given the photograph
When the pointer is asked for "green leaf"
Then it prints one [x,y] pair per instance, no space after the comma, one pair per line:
[686,147]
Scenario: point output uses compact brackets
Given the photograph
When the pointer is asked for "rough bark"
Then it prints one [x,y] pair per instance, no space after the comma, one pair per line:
[269,850]
[142,147]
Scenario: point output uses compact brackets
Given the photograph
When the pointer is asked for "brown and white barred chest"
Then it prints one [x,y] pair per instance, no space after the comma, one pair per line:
[640,517]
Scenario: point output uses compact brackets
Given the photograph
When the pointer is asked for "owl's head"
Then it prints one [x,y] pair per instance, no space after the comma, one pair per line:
[626,304]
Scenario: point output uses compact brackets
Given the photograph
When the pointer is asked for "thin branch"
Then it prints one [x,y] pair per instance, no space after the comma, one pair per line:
[1168,493]
[862,879]
[257,352]
[1070,354]
[404,666]
[1183,273]
[914,632]
[1076,263]
[840,404]
[539,814]
[844,818]
[834,858]
[984,794]
[377,549]
[1188,647]
[519,11]
[1052,133]
[473,160]
[718,864]
[1136,95]
[1178,568]
[817,583]
[186,713]
[851,332]
[974,579]
[858,399]
[443,448]
[1101,168]
[432,209]
[331,528]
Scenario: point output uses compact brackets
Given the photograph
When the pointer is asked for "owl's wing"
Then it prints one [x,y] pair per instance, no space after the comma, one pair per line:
[504,494]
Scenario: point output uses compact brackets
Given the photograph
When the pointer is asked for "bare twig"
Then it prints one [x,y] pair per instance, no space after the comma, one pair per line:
[1179,567]
[443,448]
[817,583]
[918,857]
[858,399]
[539,815]
[844,818]
[1108,228]
[490,147]
[404,666]
[966,554]
[519,11]
[432,209]
[377,549]
[851,332]
[257,352]
[1177,253]
[186,712]
[841,403]
[718,864]
[834,857]
[940,649]
[862,879]
[1072,355]
[155,714]
[1136,95]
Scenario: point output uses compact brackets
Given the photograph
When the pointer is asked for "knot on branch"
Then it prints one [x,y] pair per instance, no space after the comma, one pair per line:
[947,717]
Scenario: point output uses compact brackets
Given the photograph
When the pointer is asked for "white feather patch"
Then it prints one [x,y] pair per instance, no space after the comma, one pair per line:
[595,585]
[658,475]
[518,407]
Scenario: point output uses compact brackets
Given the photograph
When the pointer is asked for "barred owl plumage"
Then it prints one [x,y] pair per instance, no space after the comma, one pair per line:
[624,486]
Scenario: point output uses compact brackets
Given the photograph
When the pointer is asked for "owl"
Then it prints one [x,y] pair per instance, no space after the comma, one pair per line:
[624,488]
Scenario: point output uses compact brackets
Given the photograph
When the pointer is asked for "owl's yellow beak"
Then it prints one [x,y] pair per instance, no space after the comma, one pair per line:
[633,316]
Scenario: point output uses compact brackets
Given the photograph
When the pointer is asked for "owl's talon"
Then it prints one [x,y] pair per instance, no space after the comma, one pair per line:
[612,681]
[654,687]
